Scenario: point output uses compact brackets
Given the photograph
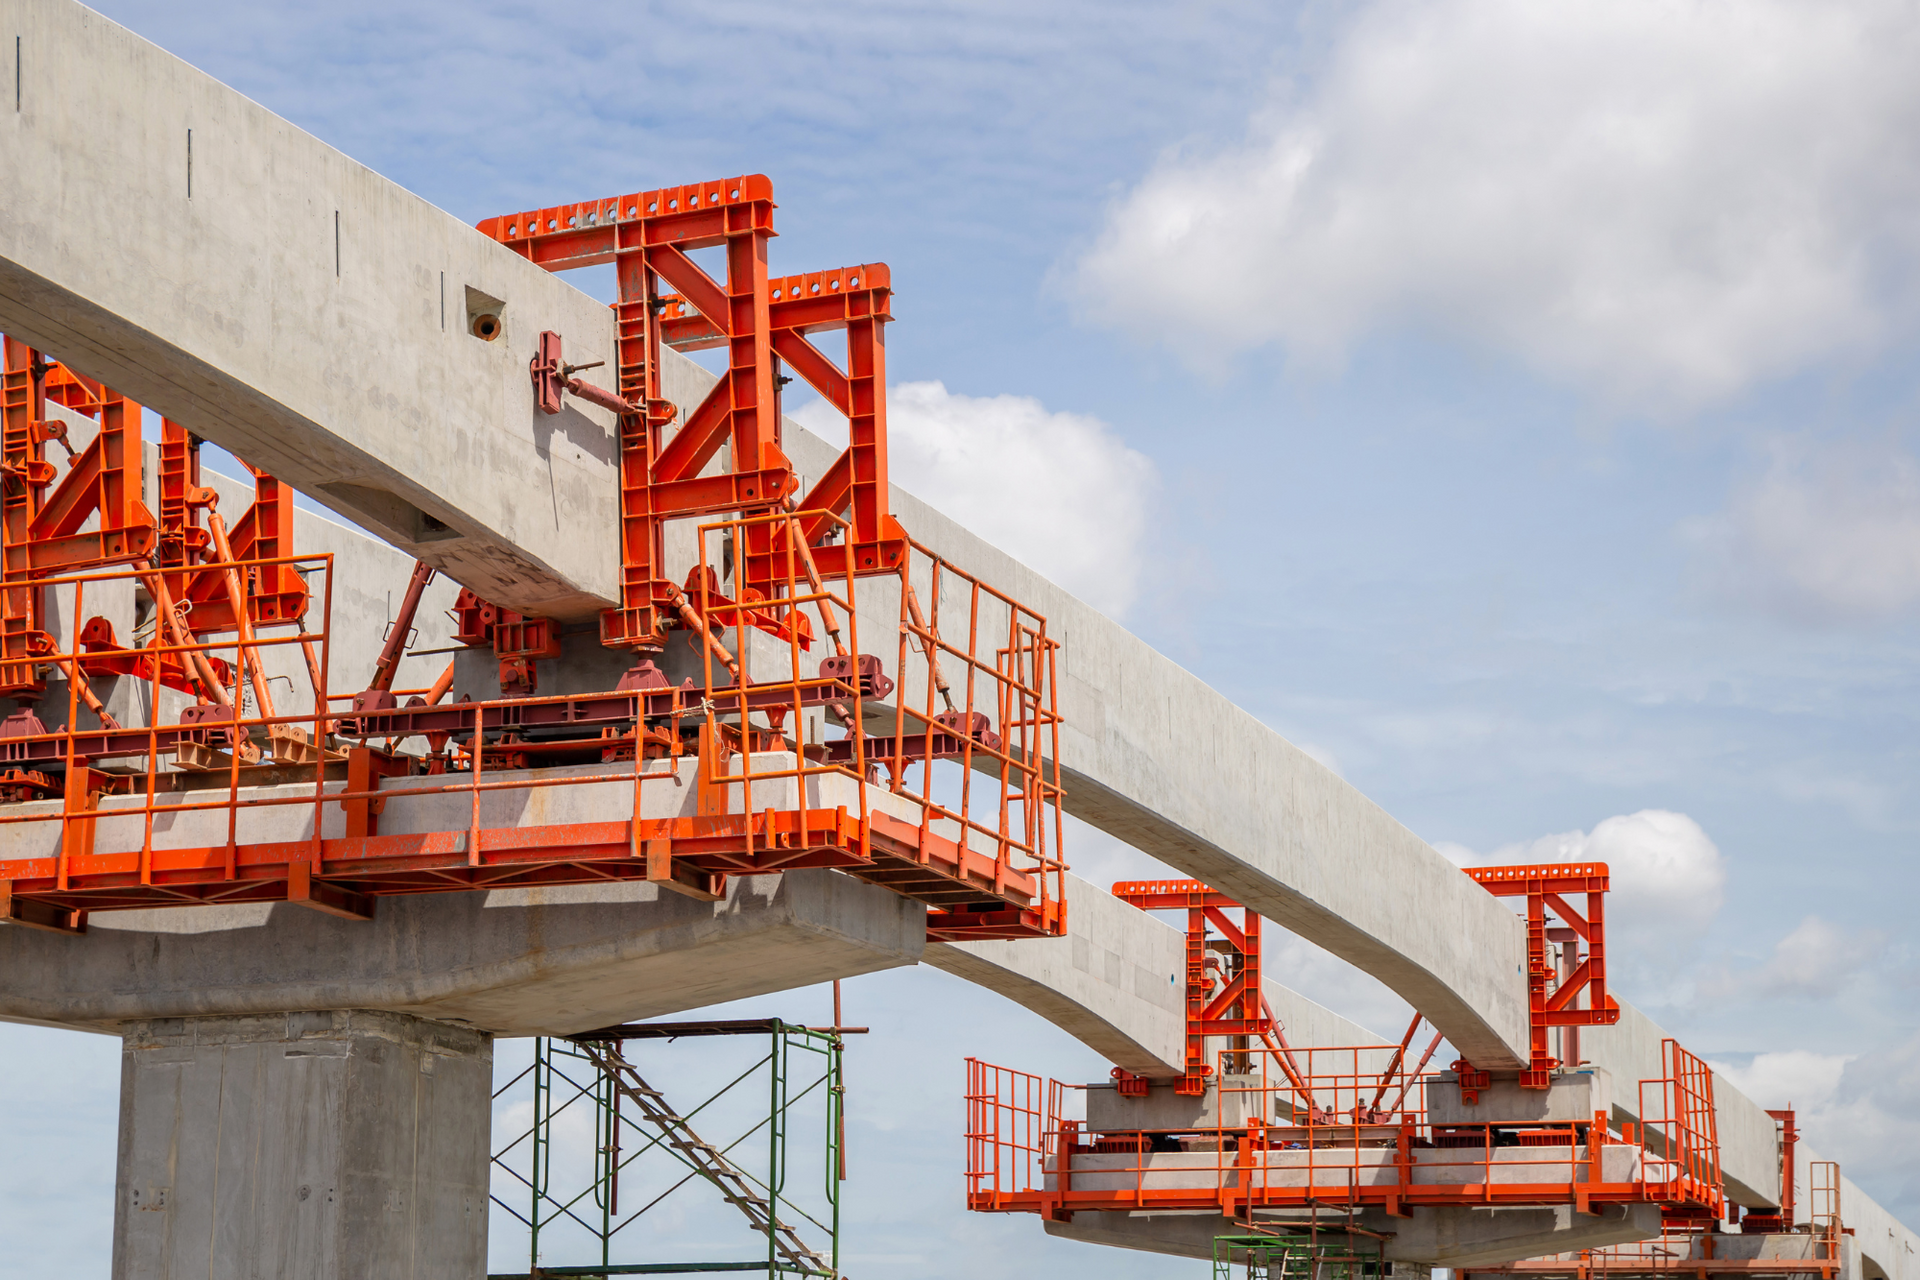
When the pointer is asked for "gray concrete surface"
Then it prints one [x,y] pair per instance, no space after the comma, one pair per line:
[1572,1098]
[1115,982]
[300,309]
[304,1146]
[1431,1238]
[512,962]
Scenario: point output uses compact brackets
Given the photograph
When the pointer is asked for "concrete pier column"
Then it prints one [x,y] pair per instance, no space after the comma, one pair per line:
[338,1145]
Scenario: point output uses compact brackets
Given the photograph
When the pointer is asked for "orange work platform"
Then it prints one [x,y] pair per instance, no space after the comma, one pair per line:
[1309,1137]
[927,763]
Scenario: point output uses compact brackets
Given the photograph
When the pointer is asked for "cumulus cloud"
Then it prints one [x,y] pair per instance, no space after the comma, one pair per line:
[1856,1108]
[1816,958]
[1825,534]
[1666,201]
[1663,867]
[1058,491]
[1798,1078]
[1667,880]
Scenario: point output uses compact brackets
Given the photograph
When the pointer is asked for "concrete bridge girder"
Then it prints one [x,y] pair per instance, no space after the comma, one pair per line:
[290,309]
[509,962]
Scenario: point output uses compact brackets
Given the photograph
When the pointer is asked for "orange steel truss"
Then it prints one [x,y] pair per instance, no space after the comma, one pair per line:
[1336,1150]
[1234,1006]
[765,324]
[93,517]
[1554,999]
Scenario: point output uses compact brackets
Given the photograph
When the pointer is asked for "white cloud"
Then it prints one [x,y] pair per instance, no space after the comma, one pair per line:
[1816,958]
[1664,200]
[1854,1108]
[1058,491]
[1798,1078]
[1663,868]
[1825,534]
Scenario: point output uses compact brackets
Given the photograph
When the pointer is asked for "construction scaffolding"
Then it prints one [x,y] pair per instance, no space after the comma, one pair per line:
[778,1165]
[1296,1256]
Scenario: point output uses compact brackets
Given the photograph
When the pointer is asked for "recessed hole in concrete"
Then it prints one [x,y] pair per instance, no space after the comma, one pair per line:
[484,315]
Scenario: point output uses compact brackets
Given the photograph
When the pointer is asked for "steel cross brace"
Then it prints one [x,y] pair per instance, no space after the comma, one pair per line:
[666,299]
[1551,1002]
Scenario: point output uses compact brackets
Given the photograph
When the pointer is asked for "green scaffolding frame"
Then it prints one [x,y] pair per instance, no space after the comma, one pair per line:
[632,1122]
[1295,1256]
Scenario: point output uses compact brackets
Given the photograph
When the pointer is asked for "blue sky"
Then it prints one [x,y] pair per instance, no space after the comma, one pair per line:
[1515,404]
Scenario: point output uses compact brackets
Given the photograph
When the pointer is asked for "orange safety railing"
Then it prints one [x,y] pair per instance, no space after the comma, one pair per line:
[1689,1253]
[1824,1212]
[1314,1133]
[774,791]
[1013,1118]
[211,741]
[996,736]
[1680,1131]
[1694,1246]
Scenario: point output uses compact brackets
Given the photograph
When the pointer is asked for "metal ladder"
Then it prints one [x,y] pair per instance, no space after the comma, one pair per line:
[707,1160]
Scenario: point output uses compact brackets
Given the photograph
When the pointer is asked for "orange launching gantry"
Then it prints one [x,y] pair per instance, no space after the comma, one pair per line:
[943,784]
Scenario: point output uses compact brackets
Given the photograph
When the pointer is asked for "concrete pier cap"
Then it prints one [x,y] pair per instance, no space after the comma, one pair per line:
[1432,1237]
[510,962]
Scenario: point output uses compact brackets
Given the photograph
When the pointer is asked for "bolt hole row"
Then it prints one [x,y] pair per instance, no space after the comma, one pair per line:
[613,214]
[832,286]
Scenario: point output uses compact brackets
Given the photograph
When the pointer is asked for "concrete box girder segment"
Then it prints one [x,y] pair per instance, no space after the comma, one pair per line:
[300,310]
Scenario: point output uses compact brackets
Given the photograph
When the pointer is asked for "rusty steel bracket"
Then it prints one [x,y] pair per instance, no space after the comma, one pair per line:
[551,377]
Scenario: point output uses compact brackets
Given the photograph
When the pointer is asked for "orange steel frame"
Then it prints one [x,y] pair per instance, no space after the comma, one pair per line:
[45,533]
[1673,1252]
[1239,1009]
[1024,1156]
[1552,1001]
[667,299]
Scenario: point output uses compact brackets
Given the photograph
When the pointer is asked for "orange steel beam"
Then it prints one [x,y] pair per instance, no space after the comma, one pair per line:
[1789,1139]
[102,485]
[276,593]
[648,236]
[857,300]
[966,900]
[1551,1001]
